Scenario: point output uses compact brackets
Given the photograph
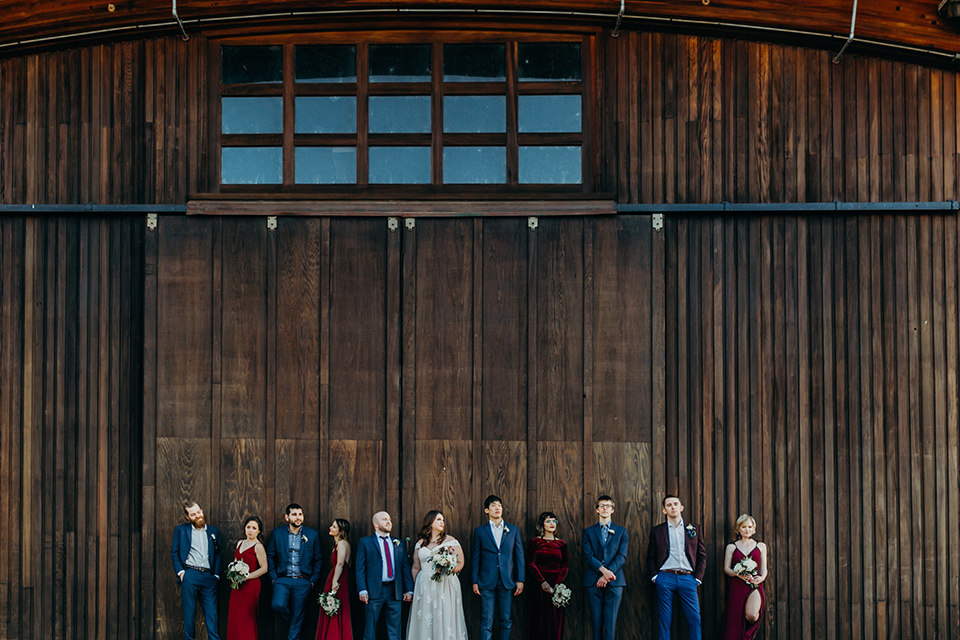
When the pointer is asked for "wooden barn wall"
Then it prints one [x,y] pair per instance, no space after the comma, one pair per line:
[683,119]
[71,347]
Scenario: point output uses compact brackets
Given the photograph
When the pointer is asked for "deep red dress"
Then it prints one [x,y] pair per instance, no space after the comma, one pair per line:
[336,627]
[547,562]
[243,617]
[735,626]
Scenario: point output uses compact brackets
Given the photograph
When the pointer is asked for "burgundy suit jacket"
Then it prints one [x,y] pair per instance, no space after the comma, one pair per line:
[658,549]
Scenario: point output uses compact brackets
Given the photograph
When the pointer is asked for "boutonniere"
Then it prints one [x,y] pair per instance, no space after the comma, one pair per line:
[691,531]
[303,537]
[506,529]
[610,531]
[396,542]
[213,537]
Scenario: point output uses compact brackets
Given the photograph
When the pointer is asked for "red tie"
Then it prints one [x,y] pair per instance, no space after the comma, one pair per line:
[386,553]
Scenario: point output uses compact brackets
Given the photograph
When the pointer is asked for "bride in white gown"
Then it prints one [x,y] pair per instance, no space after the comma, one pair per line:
[437,609]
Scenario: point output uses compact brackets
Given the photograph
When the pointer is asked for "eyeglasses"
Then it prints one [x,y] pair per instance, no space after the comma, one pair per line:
[604,505]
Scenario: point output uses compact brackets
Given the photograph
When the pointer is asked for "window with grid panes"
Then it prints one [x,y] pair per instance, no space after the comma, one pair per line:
[455,116]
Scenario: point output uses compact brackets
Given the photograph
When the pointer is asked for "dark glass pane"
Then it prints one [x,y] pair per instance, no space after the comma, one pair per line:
[400,62]
[474,62]
[474,165]
[251,165]
[252,115]
[549,114]
[399,165]
[327,114]
[326,165]
[326,63]
[251,64]
[550,165]
[400,114]
[548,61]
[474,114]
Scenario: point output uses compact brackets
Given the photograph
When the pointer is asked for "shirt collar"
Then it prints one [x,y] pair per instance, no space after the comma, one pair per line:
[496,526]
[679,526]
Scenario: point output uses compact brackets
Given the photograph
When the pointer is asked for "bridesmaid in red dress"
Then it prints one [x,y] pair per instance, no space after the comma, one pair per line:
[745,597]
[338,627]
[242,619]
[547,567]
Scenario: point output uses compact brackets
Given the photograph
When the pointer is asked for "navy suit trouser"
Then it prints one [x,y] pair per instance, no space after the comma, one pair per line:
[199,586]
[604,606]
[290,600]
[685,586]
[390,607]
[502,600]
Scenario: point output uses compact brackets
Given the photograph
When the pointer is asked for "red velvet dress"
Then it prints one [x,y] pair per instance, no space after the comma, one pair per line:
[336,627]
[547,562]
[243,617]
[735,626]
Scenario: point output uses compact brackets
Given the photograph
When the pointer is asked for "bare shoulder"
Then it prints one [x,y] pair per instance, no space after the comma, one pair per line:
[762,546]
[731,546]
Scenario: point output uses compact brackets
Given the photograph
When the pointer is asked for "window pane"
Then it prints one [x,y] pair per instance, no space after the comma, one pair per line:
[400,114]
[251,64]
[474,165]
[549,114]
[399,165]
[474,62]
[550,165]
[328,114]
[326,165]
[325,63]
[251,165]
[548,61]
[400,62]
[474,114]
[252,115]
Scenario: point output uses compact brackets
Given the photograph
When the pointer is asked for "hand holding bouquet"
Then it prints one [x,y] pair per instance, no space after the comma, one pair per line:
[237,573]
[329,603]
[445,562]
[746,568]
[561,595]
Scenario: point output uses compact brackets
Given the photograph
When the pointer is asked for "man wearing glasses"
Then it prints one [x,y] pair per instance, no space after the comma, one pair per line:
[604,554]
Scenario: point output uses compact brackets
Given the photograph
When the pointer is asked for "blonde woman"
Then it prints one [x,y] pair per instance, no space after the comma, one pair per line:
[745,561]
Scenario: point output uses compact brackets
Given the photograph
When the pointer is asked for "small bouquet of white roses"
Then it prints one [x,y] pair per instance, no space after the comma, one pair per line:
[237,573]
[329,603]
[746,567]
[561,595]
[445,562]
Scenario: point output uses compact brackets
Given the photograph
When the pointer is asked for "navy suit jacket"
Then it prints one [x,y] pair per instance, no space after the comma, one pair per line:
[370,568]
[311,555]
[180,548]
[658,549]
[613,556]
[493,567]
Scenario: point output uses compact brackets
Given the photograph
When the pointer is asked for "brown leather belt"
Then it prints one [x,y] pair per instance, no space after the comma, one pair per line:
[679,572]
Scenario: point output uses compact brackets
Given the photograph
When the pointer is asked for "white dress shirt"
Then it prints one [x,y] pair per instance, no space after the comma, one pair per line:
[678,545]
[383,558]
[497,531]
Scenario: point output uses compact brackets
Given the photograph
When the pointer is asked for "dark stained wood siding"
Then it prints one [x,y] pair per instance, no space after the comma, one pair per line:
[71,349]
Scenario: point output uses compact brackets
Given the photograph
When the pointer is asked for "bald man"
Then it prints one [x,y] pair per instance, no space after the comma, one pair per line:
[383,577]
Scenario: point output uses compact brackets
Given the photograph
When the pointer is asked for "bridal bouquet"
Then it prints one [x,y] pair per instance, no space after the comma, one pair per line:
[445,561]
[237,573]
[746,567]
[561,595]
[329,603]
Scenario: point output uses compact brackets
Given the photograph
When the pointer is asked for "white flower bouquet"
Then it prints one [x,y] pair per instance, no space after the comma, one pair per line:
[329,603]
[747,567]
[445,562]
[561,595]
[237,573]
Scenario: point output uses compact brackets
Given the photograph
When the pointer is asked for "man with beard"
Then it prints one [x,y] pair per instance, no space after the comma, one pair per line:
[296,562]
[196,560]
[383,577]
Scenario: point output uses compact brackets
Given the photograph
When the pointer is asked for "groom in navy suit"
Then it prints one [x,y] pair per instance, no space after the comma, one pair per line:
[383,577]
[604,554]
[497,568]
[296,562]
[196,560]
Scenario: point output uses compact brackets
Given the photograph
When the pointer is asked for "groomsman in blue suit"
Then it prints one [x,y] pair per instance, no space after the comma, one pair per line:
[604,554]
[196,560]
[296,562]
[497,568]
[383,577]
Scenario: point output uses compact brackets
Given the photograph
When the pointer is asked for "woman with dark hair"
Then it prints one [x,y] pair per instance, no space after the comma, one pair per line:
[547,567]
[243,618]
[437,609]
[337,627]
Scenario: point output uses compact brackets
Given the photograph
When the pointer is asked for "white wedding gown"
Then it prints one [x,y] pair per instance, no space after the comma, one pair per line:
[437,609]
